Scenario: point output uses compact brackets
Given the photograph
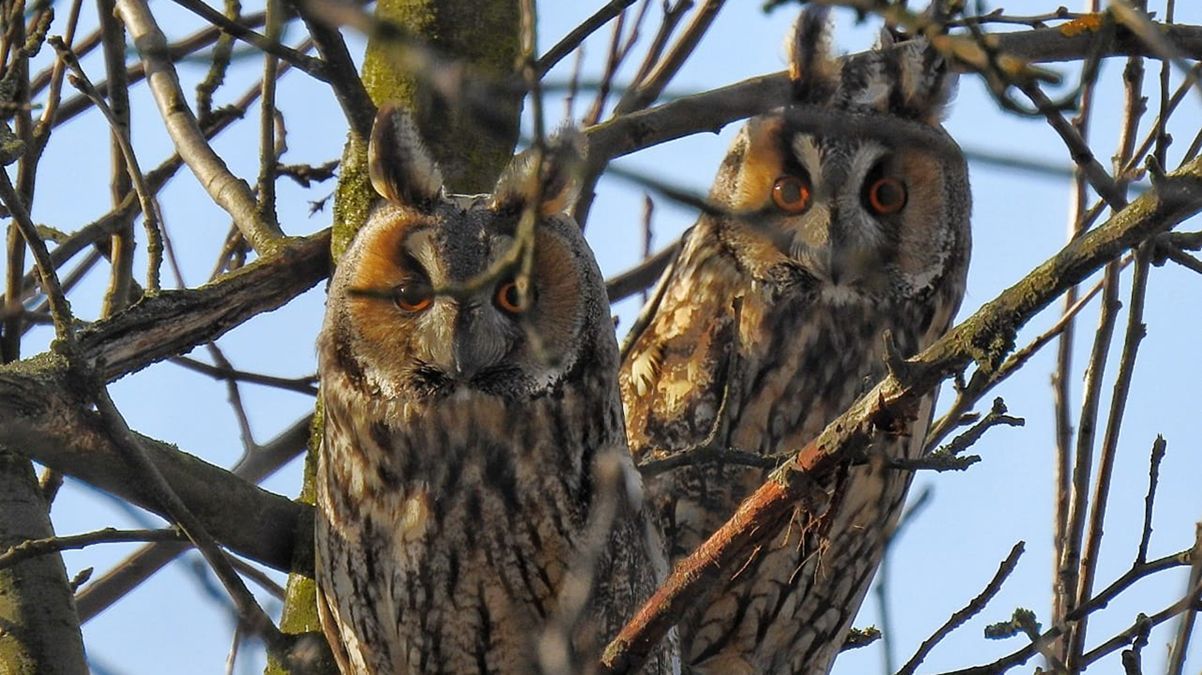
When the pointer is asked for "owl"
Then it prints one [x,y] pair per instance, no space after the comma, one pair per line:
[478,510]
[770,323]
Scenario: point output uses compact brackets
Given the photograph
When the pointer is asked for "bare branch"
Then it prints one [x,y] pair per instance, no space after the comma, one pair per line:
[1190,614]
[1158,450]
[175,321]
[313,67]
[130,448]
[253,467]
[970,610]
[46,420]
[35,547]
[578,35]
[228,191]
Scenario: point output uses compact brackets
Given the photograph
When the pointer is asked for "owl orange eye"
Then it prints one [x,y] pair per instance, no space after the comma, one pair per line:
[415,295]
[791,194]
[509,298]
[886,196]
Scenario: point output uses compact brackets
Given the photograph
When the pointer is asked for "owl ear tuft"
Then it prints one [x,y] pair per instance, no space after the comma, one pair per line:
[925,82]
[401,169]
[813,71]
[558,183]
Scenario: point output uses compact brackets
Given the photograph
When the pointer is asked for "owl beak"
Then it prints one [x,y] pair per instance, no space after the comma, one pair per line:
[472,348]
[463,365]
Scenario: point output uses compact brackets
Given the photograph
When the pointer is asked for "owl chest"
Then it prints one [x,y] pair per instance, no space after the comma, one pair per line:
[798,365]
[455,533]
[450,476]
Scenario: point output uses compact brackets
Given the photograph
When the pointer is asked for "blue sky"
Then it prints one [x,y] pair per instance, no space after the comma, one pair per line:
[946,555]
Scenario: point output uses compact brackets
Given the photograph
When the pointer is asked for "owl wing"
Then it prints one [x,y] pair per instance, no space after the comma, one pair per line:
[329,627]
[676,364]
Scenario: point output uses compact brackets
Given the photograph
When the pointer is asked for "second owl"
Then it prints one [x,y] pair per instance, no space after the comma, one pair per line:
[770,323]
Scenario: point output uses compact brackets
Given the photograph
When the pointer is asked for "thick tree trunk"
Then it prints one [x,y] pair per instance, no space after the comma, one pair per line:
[39,629]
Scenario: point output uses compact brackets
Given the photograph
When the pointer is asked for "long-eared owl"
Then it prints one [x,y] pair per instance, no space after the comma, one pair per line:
[770,323]
[478,510]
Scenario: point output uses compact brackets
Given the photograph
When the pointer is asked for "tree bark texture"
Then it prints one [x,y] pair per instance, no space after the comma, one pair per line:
[39,629]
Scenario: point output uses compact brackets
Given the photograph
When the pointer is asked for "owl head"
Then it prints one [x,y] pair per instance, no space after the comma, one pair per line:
[432,297]
[869,198]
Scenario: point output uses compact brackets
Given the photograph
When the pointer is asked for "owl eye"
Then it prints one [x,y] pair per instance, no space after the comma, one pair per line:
[509,298]
[414,295]
[791,194]
[886,196]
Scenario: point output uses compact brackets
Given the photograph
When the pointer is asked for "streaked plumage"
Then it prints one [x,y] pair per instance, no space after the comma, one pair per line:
[478,509]
[770,323]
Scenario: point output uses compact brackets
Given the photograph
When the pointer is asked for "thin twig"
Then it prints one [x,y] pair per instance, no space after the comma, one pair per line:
[1186,603]
[104,226]
[41,131]
[1082,155]
[673,13]
[981,382]
[121,242]
[270,146]
[143,190]
[915,505]
[344,80]
[613,60]
[649,88]
[309,65]
[235,397]
[1078,222]
[1188,617]
[231,193]
[219,64]
[578,35]
[707,455]
[970,610]
[1182,258]
[129,573]
[136,72]
[1134,107]
[1124,582]
[31,548]
[300,385]
[60,309]
[1068,579]
[258,576]
[232,658]
[1156,456]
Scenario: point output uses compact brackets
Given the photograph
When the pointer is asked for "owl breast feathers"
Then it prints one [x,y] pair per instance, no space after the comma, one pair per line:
[477,507]
[770,322]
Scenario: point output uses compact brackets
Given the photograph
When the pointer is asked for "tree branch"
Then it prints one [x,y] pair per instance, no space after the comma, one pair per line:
[31,548]
[175,321]
[226,189]
[970,610]
[48,419]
